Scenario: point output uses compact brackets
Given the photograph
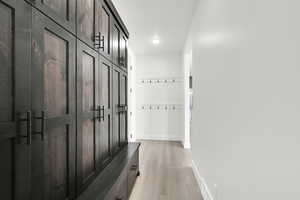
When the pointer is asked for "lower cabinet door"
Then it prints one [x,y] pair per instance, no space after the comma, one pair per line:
[123,106]
[15,121]
[116,110]
[106,111]
[119,109]
[53,105]
[88,115]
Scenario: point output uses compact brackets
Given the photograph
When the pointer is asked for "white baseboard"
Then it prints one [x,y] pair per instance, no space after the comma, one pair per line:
[159,137]
[206,194]
[132,139]
[186,145]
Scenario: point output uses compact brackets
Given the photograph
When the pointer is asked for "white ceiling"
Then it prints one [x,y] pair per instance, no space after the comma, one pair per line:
[169,20]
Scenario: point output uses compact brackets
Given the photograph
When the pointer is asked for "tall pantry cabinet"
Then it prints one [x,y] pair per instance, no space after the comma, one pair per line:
[63,103]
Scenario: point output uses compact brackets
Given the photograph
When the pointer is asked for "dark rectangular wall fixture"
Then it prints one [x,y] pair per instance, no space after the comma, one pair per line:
[191,82]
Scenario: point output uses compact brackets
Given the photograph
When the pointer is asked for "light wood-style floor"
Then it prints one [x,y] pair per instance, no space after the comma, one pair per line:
[166,173]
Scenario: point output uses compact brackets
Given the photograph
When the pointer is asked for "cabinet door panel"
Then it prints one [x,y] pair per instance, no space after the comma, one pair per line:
[123,115]
[53,94]
[6,62]
[7,166]
[55,75]
[123,51]
[105,20]
[56,163]
[61,11]
[14,99]
[60,7]
[116,115]
[116,43]
[106,102]
[87,115]
[87,20]
[88,149]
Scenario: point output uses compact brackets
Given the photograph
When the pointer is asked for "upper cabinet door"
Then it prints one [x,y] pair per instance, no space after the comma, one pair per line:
[123,51]
[87,21]
[61,11]
[15,120]
[104,40]
[53,105]
[116,33]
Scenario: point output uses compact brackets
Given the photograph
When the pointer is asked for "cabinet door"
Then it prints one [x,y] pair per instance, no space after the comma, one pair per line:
[123,113]
[14,100]
[106,104]
[105,20]
[88,114]
[53,105]
[123,51]
[87,21]
[116,42]
[61,11]
[116,110]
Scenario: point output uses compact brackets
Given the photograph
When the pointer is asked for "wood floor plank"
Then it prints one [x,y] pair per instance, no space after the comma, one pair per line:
[166,173]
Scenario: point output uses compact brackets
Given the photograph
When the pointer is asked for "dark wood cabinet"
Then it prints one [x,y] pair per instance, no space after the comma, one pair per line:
[63,103]
[62,12]
[88,114]
[15,121]
[53,106]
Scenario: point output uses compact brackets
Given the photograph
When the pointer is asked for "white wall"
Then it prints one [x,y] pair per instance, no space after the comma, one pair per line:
[159,124]
[131,95]
[246,67]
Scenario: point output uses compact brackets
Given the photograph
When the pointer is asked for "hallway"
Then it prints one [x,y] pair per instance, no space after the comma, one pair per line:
[166,173]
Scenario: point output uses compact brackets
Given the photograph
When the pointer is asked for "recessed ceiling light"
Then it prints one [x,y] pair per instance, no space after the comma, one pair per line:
[155,41]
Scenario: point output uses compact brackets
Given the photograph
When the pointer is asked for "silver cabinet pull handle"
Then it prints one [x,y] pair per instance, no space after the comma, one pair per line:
[43,125]
[28,127]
